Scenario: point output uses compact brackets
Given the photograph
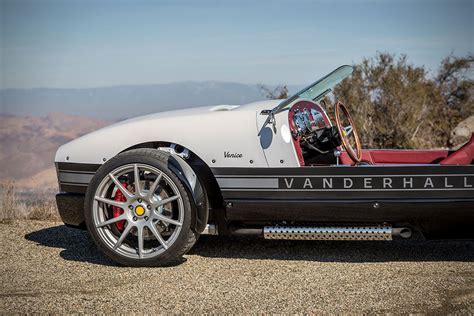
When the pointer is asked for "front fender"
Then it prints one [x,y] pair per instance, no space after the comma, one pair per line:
[199,199]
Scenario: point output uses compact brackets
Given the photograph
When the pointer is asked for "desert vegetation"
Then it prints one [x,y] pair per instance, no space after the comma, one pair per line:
[276,93]
[17,205]
[400,105]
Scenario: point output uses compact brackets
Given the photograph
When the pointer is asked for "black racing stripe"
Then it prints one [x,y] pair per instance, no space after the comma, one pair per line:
[316,196]
[437,211]
[345,170]
[292,182]
[76,172]
[77,167]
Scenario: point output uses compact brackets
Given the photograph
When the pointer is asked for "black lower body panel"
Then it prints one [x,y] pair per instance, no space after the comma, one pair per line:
[436,218]
[436,199]
[71,209]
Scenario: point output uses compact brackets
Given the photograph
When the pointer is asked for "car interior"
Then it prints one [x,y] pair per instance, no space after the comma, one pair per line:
[318,142]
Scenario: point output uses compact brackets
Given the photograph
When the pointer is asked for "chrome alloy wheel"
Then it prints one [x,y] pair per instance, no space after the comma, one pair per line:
[138,211]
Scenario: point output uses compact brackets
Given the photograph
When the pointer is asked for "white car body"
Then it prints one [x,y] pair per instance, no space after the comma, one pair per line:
[278,162]
[209,132]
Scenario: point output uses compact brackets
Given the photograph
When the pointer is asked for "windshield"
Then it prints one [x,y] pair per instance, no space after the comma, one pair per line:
[317,90]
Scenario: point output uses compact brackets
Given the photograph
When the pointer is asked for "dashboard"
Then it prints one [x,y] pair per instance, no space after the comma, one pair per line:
[314,137]
[307,120]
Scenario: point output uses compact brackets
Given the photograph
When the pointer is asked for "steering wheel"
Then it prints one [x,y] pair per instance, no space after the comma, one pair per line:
[347,131]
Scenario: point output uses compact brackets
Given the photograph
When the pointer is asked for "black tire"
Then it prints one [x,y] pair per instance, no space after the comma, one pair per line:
[186,238]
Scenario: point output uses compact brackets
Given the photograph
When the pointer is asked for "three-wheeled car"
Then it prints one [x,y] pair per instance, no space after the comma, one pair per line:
[146,188]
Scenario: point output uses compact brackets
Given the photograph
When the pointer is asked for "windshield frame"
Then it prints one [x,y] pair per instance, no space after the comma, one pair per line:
[329,81]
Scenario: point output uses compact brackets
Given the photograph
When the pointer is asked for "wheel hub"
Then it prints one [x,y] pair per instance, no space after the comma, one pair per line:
[139,210]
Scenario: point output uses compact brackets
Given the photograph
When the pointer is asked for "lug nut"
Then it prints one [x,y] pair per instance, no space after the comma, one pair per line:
[139,200]
[146,218]
[148,207]
[134,218]
[130,207]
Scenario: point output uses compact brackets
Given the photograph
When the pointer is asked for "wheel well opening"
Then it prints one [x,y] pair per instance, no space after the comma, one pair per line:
[200,168]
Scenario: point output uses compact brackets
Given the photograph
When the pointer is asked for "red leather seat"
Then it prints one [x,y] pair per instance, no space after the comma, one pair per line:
[398,156]
[462,156]
[366,157]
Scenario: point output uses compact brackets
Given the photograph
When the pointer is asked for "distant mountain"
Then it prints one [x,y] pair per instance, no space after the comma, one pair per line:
[120,102]
[28,146]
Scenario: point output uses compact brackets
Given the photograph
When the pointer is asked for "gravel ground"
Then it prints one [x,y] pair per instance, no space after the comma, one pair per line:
[47,267]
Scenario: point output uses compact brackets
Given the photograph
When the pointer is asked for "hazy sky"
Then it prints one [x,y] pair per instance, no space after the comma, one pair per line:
[76,44]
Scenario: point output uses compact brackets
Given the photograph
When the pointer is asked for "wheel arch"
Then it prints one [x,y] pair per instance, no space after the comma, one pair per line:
[198,178]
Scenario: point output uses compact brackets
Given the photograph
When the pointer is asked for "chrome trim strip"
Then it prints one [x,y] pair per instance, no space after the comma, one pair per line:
[267,183]
[76,171]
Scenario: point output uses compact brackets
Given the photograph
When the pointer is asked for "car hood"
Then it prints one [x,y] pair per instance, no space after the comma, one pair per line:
[170,126]
[215,110]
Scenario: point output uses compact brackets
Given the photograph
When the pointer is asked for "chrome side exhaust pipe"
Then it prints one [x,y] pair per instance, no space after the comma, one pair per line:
[402,232]
[384,232]
[210,229]
[335,232]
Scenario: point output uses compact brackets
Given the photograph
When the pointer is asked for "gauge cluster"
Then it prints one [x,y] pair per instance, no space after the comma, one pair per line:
[307,121]
[314,137]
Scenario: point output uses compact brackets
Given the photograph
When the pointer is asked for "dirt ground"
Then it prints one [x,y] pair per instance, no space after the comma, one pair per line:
[47,267]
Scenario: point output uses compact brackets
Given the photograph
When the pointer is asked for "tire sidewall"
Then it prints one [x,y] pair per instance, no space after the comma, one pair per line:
[152,158]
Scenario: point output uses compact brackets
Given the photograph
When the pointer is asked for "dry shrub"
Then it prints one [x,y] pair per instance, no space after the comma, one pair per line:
[399,105]
[396,104]
[44,209]
[10,205]
[14,205]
